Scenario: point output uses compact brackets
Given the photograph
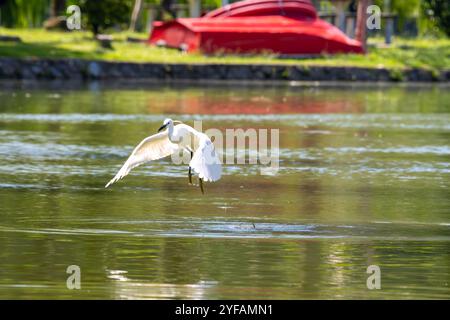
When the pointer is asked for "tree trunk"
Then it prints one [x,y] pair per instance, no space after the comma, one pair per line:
[95,29]
[135,14]
[361,21]
[57,7]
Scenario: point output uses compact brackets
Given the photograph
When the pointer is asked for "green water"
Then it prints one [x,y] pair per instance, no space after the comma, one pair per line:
[363,180]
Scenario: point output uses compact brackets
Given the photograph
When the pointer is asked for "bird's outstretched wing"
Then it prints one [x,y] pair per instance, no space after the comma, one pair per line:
[205,161]
[154,147]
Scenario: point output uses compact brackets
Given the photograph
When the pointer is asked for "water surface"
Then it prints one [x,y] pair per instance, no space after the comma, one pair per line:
[363,180]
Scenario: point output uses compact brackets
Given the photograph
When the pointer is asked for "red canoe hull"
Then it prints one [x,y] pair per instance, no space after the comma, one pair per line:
[297,32]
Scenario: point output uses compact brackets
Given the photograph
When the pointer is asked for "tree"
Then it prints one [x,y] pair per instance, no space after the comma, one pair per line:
[361,18]
[105,13]
[439,12]
[135,14]
[57,7]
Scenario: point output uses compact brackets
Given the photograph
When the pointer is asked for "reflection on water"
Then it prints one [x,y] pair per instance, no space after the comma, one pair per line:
[363,179]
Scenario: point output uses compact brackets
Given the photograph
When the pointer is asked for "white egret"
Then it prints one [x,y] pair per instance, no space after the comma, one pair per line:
[204,160]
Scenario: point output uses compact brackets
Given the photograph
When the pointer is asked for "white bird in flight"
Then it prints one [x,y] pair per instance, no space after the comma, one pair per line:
[204,160]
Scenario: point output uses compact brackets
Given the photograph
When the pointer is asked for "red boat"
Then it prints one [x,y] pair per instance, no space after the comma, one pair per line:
[287,27]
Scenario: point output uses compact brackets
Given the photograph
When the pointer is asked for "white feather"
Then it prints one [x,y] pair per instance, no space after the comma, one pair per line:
[154,147]
[205,161]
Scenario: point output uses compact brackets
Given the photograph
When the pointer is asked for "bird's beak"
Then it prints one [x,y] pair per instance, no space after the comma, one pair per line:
[162,127]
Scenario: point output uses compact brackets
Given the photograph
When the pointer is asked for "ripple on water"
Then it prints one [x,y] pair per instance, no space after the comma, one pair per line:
[438,150]
[377,230]
[379,121]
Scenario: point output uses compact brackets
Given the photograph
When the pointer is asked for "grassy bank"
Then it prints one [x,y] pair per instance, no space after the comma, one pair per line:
[421,53]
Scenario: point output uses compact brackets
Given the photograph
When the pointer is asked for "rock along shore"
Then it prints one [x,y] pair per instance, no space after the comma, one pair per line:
[77,69]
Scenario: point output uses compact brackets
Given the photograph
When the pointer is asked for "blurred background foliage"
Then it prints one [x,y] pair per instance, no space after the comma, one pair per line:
[24,13]
[104,14]
[428,17]
[437,15]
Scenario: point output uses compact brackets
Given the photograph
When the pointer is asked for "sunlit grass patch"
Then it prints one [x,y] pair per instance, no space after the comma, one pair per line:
[403,53]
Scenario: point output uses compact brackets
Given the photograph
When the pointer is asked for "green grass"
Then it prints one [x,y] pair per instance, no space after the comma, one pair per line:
[431,54]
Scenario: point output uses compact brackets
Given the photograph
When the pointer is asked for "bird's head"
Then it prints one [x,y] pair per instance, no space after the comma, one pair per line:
[167,122]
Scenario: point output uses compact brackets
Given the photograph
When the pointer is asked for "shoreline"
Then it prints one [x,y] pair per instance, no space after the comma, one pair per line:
[80,69]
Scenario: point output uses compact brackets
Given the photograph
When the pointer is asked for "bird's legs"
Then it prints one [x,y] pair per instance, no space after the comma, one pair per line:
[190,175]
[190,170]
[200,182]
